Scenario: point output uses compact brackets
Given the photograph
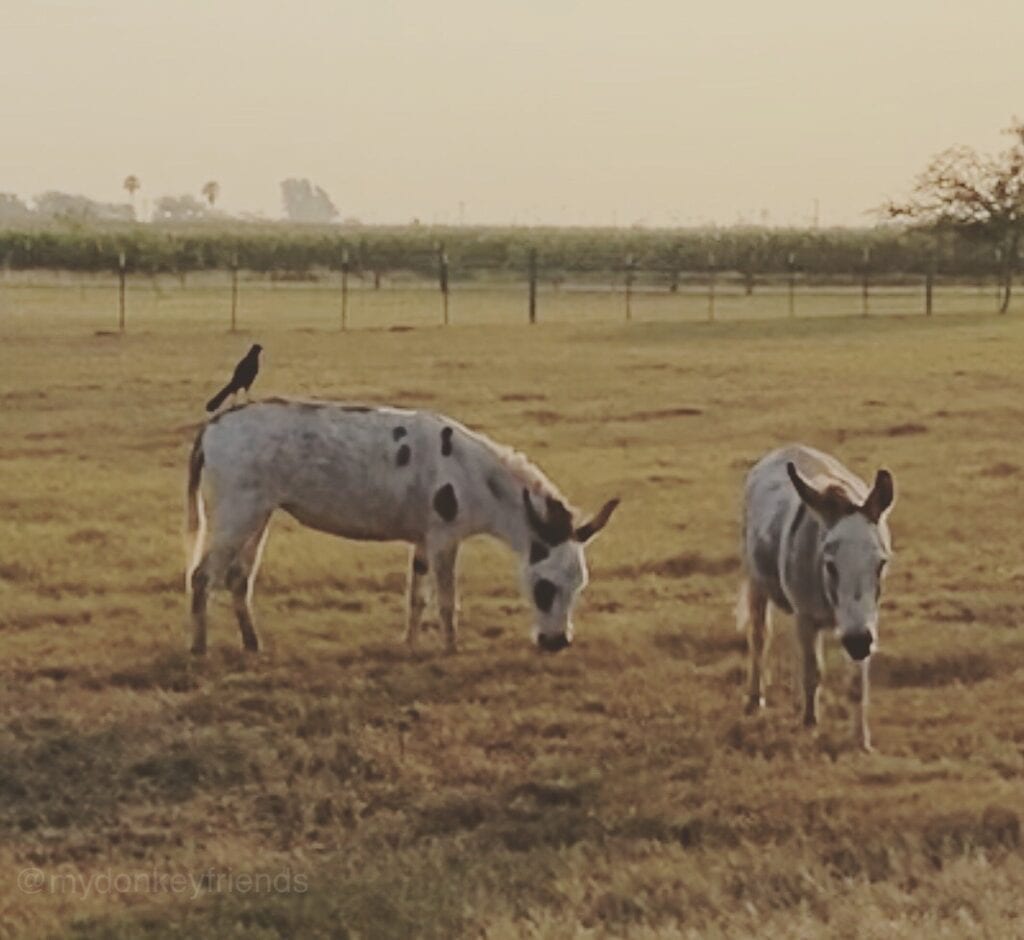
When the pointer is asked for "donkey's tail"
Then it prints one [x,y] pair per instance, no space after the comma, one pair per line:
[194,502]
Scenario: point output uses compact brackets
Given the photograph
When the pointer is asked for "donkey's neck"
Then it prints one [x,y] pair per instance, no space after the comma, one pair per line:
[502,514]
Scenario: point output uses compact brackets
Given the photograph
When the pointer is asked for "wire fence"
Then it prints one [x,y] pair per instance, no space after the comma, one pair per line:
[241,300]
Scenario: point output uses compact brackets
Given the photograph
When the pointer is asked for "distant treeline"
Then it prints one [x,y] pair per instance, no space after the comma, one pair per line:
[664,254]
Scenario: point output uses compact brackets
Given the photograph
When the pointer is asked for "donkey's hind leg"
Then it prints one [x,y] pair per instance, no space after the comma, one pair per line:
[758,638]
[239,577]
[199,582]
[234,544]
[418,568]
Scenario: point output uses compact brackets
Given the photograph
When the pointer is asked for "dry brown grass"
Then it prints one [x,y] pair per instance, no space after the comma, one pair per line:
[614,790]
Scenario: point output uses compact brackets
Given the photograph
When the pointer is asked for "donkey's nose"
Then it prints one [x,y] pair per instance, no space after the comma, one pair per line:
[858,645]
[552,643]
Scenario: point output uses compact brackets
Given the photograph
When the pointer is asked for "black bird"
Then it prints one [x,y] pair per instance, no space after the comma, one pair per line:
[244,375]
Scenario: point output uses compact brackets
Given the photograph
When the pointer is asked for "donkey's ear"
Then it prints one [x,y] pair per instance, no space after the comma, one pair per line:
[881,497]
[589,529]
[559,521]
[831,505]
[556,528]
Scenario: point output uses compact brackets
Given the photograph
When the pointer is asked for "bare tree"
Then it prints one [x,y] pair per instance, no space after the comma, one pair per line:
[978,196]
[211,191]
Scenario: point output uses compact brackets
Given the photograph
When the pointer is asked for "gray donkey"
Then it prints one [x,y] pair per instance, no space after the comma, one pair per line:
[815,544]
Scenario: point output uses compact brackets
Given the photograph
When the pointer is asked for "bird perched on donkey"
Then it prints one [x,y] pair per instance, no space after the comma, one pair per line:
[244,375]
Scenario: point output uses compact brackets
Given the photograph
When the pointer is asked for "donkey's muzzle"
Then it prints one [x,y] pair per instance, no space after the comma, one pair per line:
[858,645]
[552,643]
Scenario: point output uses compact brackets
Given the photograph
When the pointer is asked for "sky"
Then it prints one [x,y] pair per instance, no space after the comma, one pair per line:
[525,112]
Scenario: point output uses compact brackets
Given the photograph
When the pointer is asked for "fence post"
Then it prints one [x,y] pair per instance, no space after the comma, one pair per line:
[532,273]
[442,276]
[711,287]
[999,280]
[791,267]
[344,289]
[864,281]
[630,267]
[929,283]
[122,264]
[234,292]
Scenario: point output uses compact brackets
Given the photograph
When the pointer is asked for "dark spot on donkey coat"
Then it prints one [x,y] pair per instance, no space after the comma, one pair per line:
[446,442]
[404,453]
[544,594]
[445,503]
[398,433]
[538,552]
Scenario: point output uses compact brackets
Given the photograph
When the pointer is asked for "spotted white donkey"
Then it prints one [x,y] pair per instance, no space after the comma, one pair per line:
[377,474]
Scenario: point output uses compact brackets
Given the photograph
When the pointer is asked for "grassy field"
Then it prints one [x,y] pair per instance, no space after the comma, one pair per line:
[337,785]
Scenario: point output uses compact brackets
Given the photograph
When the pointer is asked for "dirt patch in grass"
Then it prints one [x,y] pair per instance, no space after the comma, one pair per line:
[522,396]
[683,565]
[967,667]
[902,430]
[1000,469]
[661,413]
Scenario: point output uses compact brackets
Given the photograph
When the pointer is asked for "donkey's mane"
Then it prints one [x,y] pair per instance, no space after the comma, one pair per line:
[521,467]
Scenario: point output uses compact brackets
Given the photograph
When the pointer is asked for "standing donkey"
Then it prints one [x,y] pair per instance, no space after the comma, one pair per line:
[377,474]
[815,544]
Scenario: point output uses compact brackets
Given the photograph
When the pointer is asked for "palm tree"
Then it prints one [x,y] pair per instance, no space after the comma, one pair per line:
[131,184]
[211,191]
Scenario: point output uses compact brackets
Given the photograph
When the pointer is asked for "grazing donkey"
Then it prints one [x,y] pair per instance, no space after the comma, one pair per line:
[378,474]
[815,544]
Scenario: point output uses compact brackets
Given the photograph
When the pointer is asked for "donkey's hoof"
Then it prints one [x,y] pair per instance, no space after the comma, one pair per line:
[754,704]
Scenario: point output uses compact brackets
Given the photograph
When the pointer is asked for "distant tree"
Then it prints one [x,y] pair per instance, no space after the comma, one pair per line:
[132,185]
[977,196]
[184,208]
[12,209]
[75,208]
[304,202]
[211,191]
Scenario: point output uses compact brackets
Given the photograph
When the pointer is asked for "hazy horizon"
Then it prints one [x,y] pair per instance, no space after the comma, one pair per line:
[535,113]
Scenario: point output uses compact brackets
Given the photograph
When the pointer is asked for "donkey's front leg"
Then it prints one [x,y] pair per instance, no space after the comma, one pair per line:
[758,638]
[443,562]
[418,568]
[860,689]
[809,638]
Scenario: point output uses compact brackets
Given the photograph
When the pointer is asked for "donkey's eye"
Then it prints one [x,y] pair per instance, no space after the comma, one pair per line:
[832,571]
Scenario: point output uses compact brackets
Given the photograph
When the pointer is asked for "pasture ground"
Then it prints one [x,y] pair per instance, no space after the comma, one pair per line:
[339,785]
